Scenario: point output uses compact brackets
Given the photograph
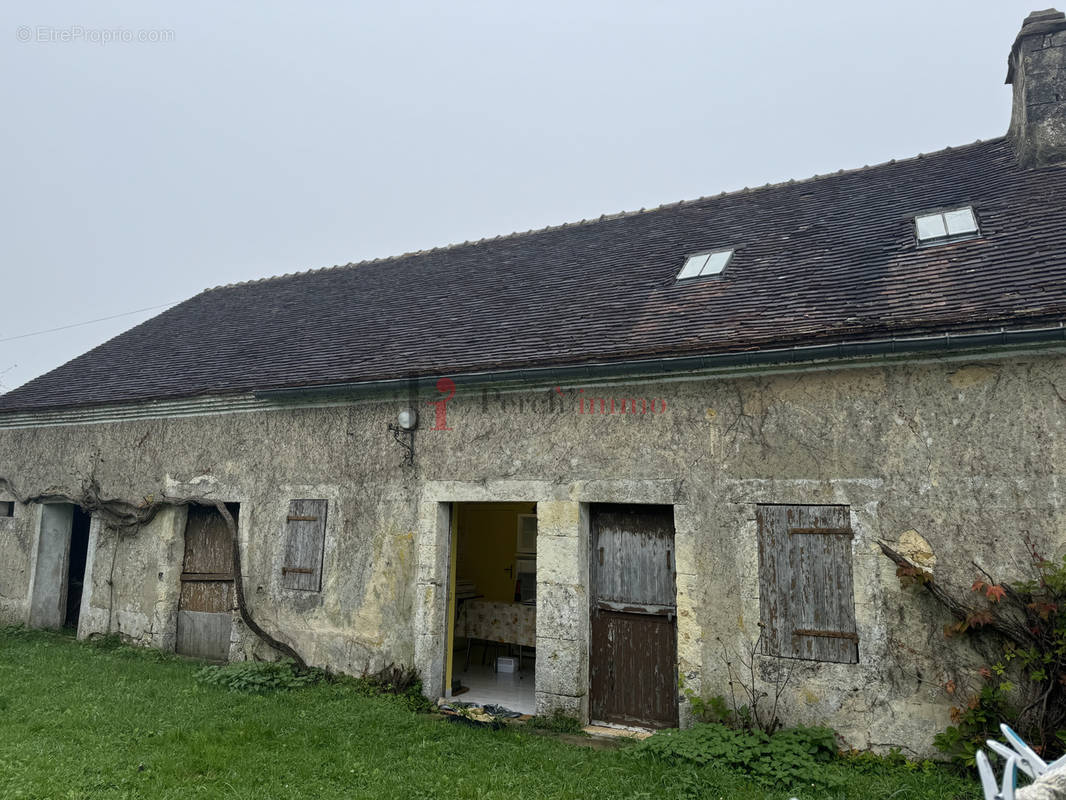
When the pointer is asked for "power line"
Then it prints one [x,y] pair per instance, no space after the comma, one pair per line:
[88,322]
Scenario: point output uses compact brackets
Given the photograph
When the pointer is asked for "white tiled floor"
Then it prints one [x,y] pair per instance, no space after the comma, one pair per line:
[513,690]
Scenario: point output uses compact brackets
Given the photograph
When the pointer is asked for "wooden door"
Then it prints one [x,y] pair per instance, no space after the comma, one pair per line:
[633,652]
[205,607]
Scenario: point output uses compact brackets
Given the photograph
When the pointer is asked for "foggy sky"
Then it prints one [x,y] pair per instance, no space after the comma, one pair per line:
[243,139]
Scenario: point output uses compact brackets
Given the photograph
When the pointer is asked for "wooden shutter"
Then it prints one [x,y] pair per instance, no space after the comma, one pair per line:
[807,600]
[305,533]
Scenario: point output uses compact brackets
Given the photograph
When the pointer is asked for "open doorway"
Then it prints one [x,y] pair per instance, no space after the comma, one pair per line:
[493,606]
[59,572]
[79,551]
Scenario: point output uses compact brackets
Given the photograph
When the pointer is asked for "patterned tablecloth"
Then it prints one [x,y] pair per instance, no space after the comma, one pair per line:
[511,623]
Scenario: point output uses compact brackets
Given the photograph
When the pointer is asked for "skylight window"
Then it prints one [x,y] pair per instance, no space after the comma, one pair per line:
[703,264]
[946,226]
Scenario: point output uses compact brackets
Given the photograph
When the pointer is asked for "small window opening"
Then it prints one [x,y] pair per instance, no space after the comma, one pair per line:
[946,226]
[7,508]
[703,264]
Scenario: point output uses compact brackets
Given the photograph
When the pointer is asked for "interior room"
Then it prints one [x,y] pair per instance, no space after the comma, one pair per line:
[493,657]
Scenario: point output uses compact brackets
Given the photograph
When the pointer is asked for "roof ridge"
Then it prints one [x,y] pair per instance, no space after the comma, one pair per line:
[607,217]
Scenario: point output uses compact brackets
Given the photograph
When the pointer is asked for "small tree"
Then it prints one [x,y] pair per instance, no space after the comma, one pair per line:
[1025,685]
[753,699]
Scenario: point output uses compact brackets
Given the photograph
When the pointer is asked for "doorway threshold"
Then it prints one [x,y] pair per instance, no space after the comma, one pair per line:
[612,729]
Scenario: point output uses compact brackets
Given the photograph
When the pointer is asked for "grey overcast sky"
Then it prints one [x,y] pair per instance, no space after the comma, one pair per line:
[247,139]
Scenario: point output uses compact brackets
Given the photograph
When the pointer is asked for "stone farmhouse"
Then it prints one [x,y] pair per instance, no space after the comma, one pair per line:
[579,468]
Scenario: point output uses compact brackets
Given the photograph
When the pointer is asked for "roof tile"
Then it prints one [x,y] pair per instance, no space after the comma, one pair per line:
[822,259]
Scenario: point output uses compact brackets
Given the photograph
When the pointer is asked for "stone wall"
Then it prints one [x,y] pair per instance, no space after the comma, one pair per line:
[957,458]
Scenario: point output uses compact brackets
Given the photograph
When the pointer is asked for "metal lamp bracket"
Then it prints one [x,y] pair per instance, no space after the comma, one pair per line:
[406,440]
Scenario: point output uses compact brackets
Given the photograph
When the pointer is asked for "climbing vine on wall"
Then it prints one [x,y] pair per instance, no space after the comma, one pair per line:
[128,517]
[1025,683]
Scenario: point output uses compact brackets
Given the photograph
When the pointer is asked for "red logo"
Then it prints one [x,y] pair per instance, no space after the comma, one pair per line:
[445,386]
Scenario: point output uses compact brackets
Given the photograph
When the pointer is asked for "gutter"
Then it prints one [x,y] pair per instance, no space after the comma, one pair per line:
[854,354]
[893,348]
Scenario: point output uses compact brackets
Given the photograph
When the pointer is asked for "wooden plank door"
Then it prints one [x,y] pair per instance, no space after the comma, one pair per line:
[633,648]
[205,607]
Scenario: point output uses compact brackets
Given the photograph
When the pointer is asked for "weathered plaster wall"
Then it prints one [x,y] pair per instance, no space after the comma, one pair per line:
[964,455]
[132,580]
[17,539]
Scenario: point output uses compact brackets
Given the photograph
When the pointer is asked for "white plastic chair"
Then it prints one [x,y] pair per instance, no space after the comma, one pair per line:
[1019,757]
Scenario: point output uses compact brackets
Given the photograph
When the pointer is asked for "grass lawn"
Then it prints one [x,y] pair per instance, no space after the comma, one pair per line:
[78,721]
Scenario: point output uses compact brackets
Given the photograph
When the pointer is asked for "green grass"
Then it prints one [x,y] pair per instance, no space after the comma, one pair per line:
[78,721]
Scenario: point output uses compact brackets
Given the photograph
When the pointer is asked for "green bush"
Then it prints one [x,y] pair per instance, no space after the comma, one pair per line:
[16,632]
[259,677]
[557,722]
[395,679]
[113,644]
[714,709]
[399,681]
[975,724]
[788,758]
[892,763]
[100,641]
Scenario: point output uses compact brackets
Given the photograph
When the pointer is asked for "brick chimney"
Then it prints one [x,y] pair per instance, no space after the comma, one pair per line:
[1036,67]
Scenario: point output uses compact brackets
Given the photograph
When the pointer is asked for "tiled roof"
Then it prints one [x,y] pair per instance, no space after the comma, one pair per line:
[826,259]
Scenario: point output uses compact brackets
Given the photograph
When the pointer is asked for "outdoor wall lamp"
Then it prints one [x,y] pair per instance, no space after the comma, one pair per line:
[404,434]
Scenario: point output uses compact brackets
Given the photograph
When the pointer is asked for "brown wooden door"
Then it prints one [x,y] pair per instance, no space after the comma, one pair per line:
[633,657]
[205,607]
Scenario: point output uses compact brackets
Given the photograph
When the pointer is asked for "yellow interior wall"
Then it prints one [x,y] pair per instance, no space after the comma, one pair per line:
[452,556]
[488,541]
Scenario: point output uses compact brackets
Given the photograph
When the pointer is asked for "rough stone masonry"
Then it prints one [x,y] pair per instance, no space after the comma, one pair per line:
[944,439]
[885,441]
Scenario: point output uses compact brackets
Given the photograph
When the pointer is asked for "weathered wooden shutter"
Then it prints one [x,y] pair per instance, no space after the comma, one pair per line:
[305,533]
[807,600]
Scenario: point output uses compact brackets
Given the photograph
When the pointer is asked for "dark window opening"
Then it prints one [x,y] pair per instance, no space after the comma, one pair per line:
[7,508]
[79,550]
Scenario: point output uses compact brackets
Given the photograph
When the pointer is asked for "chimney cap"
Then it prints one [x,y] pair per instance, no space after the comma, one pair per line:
[1041,16]
[1050,20]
